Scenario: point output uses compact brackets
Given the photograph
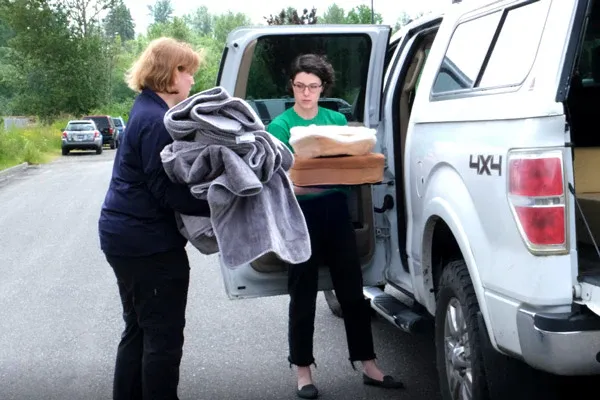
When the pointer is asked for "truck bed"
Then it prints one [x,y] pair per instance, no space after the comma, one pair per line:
[589,264]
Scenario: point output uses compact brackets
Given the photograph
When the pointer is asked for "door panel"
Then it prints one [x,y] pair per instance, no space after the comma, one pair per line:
[356,52]
[255,67]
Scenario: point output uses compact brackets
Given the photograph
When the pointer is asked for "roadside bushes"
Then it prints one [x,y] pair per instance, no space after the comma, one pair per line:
[34,144]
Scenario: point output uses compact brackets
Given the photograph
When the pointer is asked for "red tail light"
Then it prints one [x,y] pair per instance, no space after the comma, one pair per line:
[64,134]
[536,177]
[110,130]
[96,134]
[537,197]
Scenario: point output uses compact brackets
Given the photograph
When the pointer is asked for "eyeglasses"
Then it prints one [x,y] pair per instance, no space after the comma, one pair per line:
[301,87]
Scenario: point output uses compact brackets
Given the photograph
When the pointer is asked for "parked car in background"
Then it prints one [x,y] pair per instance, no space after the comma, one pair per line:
[81,135]
[120,125]
[106,126]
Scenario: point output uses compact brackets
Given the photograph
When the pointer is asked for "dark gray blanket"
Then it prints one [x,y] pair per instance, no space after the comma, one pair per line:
[222,152]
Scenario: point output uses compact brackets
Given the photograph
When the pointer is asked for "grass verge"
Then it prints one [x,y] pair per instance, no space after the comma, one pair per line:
[35,144]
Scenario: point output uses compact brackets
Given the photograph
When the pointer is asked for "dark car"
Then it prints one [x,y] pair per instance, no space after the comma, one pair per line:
[120,125]
[106,126]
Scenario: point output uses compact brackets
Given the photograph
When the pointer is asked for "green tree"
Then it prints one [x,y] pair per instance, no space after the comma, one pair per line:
[362,15]
[206,76]
[403,19]
[225,23]
[180,30]
[290,16]
[201,21]
[7,71]
[5,33]
[84,14]
[119,22]
[177,29]
[334,15]
[56,71]
[161,11]
[406,19]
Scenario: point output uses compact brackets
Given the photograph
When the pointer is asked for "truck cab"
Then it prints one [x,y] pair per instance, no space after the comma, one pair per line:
[485,223]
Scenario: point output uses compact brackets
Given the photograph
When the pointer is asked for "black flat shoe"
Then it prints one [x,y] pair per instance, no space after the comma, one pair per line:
[308,392]
[388,382]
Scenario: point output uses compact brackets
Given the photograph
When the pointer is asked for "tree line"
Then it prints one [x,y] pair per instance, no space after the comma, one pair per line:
[69,57]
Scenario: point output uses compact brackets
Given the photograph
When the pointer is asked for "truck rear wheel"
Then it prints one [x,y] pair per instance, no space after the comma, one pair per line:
[458,343]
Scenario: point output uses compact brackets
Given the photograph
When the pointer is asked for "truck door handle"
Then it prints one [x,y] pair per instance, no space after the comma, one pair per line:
[388,204]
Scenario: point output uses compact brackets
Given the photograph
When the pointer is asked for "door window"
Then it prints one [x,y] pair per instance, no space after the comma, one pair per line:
[493,50]
[268,89]
[466,52]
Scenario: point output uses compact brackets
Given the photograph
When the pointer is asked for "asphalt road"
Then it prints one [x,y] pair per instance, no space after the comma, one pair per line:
[60,315]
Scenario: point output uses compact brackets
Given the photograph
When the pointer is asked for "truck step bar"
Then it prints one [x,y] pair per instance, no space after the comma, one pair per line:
[398,313]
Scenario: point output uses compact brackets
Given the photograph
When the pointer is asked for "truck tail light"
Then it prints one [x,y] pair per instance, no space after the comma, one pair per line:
[536,192]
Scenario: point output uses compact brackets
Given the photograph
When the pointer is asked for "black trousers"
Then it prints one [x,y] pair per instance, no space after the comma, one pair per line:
[333,245]
[153,292]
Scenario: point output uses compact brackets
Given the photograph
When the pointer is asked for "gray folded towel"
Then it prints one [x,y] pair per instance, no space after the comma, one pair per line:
[213,114]
[222,152]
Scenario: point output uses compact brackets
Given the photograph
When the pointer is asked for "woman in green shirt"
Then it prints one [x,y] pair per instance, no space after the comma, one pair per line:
[333,242]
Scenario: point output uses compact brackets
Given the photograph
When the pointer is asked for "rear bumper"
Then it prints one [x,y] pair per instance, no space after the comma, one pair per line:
[560,343]
[96,144]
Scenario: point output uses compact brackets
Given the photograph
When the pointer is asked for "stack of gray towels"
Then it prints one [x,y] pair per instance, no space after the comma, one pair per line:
[223,153]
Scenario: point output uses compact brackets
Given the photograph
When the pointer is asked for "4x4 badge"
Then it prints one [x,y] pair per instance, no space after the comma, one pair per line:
[485,164]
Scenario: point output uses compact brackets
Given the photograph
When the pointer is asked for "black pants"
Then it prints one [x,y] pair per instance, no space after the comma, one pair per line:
[153,291]
[333,245]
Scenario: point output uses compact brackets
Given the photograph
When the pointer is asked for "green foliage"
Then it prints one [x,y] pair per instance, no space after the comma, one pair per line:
[56,59]
[119,22]
[290,16]
[206,76]
[177,29]
[34,144]
[115,109]
[55,71]
[362,15]
[84,15]
[200,21]
[334,15]
[225,23]
[161,11]
[5,32]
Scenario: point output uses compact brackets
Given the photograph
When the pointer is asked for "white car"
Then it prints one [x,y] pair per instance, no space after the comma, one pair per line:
[81,135]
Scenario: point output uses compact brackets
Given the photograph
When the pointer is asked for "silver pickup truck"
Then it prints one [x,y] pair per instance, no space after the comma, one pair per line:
[487,222]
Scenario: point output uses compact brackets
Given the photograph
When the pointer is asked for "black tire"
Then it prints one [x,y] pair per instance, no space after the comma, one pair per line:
[112,145]
[456,290]
[99,150]
[333,303]
[65,152]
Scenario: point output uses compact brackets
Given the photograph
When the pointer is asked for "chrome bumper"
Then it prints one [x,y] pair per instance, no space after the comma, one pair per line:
[562,344]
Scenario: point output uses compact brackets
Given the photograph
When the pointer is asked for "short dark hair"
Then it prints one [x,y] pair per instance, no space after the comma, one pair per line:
[314,64]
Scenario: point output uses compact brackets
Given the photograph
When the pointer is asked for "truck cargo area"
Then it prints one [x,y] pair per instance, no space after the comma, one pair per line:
[582,111]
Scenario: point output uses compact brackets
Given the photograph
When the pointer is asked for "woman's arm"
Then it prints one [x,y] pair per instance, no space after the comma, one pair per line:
[169,194]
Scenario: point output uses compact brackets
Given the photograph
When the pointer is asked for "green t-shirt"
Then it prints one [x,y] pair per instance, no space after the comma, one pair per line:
[281,126]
